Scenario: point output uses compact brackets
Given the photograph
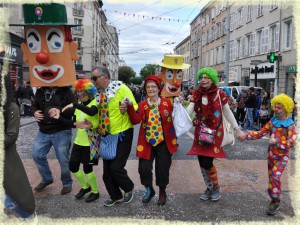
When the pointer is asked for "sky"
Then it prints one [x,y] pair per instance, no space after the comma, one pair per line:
[149,29]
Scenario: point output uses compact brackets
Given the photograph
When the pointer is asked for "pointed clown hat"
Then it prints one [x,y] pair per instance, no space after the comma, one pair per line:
[174,62]
[43,14]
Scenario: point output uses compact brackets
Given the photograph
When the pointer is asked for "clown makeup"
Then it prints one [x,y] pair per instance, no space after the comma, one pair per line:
[152,90]
[279,112]
[82,96]
[206,82]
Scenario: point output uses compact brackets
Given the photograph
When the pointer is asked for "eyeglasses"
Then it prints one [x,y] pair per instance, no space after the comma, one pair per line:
[152,87]
[95,78]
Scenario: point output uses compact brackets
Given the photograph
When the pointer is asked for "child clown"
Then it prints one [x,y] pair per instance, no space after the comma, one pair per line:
[282,132]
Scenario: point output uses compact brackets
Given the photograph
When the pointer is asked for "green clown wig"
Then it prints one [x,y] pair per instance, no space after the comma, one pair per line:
[286,102]
[210,72]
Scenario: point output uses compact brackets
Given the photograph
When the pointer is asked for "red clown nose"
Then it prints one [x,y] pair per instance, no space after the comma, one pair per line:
[177,84]
[42,57]
[275,110]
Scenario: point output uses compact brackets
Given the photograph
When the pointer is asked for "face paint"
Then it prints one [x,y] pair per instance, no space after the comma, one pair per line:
[206,82]
[172,79]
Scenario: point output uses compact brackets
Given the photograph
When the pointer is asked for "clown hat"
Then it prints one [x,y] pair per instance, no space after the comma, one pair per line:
[43,14]
[174,62]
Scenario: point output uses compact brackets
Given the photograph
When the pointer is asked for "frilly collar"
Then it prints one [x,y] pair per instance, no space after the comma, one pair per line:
[282,123]
[110,91]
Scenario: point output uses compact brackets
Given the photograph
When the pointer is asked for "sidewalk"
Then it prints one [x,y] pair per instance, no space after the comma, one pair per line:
[26,120]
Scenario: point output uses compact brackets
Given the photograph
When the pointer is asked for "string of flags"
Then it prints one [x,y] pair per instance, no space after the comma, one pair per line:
[139,16]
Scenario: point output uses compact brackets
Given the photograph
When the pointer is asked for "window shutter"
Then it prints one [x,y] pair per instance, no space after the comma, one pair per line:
[234,50]
[242,16]
[277,37]
[266,40]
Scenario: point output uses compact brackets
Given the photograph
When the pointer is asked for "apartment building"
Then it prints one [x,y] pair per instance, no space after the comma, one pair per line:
[183,48]
[256,29]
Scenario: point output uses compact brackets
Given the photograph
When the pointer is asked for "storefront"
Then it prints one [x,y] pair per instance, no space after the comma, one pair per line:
[266,77]
[13,54]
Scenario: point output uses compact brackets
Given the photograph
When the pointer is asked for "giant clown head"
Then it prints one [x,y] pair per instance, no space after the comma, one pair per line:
[49,48]
[172,75]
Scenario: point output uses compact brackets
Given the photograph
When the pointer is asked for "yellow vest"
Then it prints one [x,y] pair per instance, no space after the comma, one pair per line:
[81,136]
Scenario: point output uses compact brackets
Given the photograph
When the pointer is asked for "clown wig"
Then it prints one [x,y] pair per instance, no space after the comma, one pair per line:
[286,102]
[210,72]
[86,85]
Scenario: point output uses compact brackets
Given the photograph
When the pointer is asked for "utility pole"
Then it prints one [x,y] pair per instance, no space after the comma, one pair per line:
[226,68]
[196,65]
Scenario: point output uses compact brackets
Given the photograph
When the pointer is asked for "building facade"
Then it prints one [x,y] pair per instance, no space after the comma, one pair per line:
[256,29]
[183,48]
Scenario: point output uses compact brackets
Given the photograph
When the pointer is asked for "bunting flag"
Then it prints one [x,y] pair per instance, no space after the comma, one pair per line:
[134,15]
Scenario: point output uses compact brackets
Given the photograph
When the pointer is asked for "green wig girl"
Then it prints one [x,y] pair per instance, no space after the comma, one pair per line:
[210,72]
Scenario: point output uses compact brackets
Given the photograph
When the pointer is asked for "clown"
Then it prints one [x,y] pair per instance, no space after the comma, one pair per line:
[49,48]
[172,75]
[282,132]
[50,53]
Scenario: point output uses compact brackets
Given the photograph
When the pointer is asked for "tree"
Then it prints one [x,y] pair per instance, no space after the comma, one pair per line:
[136,80]
[147,70]
[125,73]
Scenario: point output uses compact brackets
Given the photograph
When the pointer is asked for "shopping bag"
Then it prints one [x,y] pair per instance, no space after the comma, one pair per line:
[181,119]
[108,146]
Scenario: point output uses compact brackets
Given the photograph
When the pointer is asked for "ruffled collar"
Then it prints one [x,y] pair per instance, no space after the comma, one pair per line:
[282,123]
[110,91]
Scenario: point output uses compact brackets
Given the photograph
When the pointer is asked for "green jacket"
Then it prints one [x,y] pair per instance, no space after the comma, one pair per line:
[16,183]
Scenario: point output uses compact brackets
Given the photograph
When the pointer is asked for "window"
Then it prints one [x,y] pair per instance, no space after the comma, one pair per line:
[203,39]
[266,40]
[203,60]
[206,58]
[218,30]
[78,40]
[213,33]
[240,17]
[211,58]
[77,21]
[259,42]
[273,5]
[249,13]
[287,34]
[223,27]
[260,8]
[242,48]
[217,55]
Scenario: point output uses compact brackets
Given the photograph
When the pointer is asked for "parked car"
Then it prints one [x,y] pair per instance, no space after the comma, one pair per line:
[236,90]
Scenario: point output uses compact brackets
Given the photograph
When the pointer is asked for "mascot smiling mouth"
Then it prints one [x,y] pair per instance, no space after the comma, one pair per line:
[48,74]
[171,89]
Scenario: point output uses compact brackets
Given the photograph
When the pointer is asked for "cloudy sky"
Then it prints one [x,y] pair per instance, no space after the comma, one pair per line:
[149,29]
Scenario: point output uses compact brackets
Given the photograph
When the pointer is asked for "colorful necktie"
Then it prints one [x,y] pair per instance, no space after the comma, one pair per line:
[154,132]
[104,122]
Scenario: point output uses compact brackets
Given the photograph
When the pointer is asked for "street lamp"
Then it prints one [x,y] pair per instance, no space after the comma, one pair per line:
[226,66]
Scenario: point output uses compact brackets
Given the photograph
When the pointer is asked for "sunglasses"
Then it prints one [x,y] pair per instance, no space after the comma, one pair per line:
[95,78]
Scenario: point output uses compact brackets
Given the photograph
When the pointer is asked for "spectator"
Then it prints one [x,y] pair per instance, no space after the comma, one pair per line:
[241,110]
[250,105]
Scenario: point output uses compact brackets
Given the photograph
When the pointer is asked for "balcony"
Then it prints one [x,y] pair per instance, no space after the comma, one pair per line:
[78,12]
[78,66]
[78,31]
[80,51]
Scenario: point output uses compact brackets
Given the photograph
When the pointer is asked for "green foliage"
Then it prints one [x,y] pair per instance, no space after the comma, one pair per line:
[136,80]
[125,73]
[148,69]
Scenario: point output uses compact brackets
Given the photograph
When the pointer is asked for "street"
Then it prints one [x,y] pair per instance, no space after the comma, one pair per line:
[242,176]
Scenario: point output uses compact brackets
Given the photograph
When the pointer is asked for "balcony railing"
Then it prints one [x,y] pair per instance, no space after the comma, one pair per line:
[78,31]
[78,12]
[78,66]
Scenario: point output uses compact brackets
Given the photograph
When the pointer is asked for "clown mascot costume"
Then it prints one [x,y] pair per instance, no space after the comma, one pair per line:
[50,53]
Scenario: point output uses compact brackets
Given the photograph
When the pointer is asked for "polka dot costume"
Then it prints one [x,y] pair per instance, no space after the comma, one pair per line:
[104,122]
[154,131]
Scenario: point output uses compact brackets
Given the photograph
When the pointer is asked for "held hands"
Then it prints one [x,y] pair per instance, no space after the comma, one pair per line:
[83,124]
[241,135]
[54,113]
[123,105]
[38,115]
[272,141]
[67,107]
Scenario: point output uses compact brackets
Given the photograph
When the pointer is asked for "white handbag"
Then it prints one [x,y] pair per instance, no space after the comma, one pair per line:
[181,119]
[228,138]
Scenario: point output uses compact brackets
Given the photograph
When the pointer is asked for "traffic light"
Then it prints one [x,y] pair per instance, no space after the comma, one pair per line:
[271,57]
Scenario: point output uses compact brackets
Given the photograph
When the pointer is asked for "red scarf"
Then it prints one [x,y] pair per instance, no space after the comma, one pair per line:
[211,93]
